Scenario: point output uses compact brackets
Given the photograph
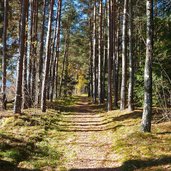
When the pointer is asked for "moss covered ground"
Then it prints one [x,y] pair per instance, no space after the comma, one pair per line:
[76,135]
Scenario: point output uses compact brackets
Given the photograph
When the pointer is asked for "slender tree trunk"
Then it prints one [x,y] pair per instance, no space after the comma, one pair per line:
[41,51]
[66,73]
[110,42]
[91,59]
[55,66]
[64,62]
[25,88]
[115,81]
[47,59]
[105,54]
[116,61]
[100,51]
[94,55]
[18,94]
[34,50]
[58,45]
[4,72]
[124,57]
[29,50]
[131,70]
[147,110]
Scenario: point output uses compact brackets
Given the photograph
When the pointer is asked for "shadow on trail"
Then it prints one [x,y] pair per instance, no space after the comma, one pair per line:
[8,166]
[132,165]
[133,115]
[68,129]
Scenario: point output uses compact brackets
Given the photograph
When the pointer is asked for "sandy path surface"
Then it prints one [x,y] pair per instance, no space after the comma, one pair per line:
[92,144]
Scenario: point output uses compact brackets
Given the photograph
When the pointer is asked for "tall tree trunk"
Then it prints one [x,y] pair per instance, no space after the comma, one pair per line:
[18,93]
[41,51]
[116,60]
[4,62]
[114,28]
[66,72]
[100,52]
[131,69]
[47,59]
[124,57]
[110,43]
[34,50]
[94,55]
[105,50]
[25,88]
[64,61]
[29,50]
[91,59]
[55,65]
[147,110]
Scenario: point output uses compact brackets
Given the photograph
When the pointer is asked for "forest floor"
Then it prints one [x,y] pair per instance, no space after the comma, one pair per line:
[76,135]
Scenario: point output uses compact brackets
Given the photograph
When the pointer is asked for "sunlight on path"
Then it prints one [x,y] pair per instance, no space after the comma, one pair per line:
[92,144]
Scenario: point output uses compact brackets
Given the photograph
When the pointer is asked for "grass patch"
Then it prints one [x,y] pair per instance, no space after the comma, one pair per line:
[137,150]
[34,139]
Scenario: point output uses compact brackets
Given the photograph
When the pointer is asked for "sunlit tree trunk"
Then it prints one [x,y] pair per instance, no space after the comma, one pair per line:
[131,70]
[147,110]
[94,55]
[25,61]
[58,45]
[124,57]
[18,93]
[56,51]
[47,59]
[110,42]
[100,55]
[41,51]
[29,51]
[4,62]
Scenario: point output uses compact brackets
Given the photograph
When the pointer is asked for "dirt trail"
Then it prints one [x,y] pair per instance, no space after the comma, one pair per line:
[92,145]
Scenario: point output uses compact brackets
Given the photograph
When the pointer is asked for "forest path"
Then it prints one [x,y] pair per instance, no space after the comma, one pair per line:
[92,143]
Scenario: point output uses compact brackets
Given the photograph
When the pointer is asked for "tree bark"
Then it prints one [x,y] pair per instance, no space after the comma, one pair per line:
[4,62]
[64,61]
[47,59]
[41,52]
[25,88]
[18,94]
[100,52]
[55,65]
[34,50]
[124,57]
[131,69]
[147,110]
[116,60]
[29,51]
[58,45]
[94,55]
[110,42]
